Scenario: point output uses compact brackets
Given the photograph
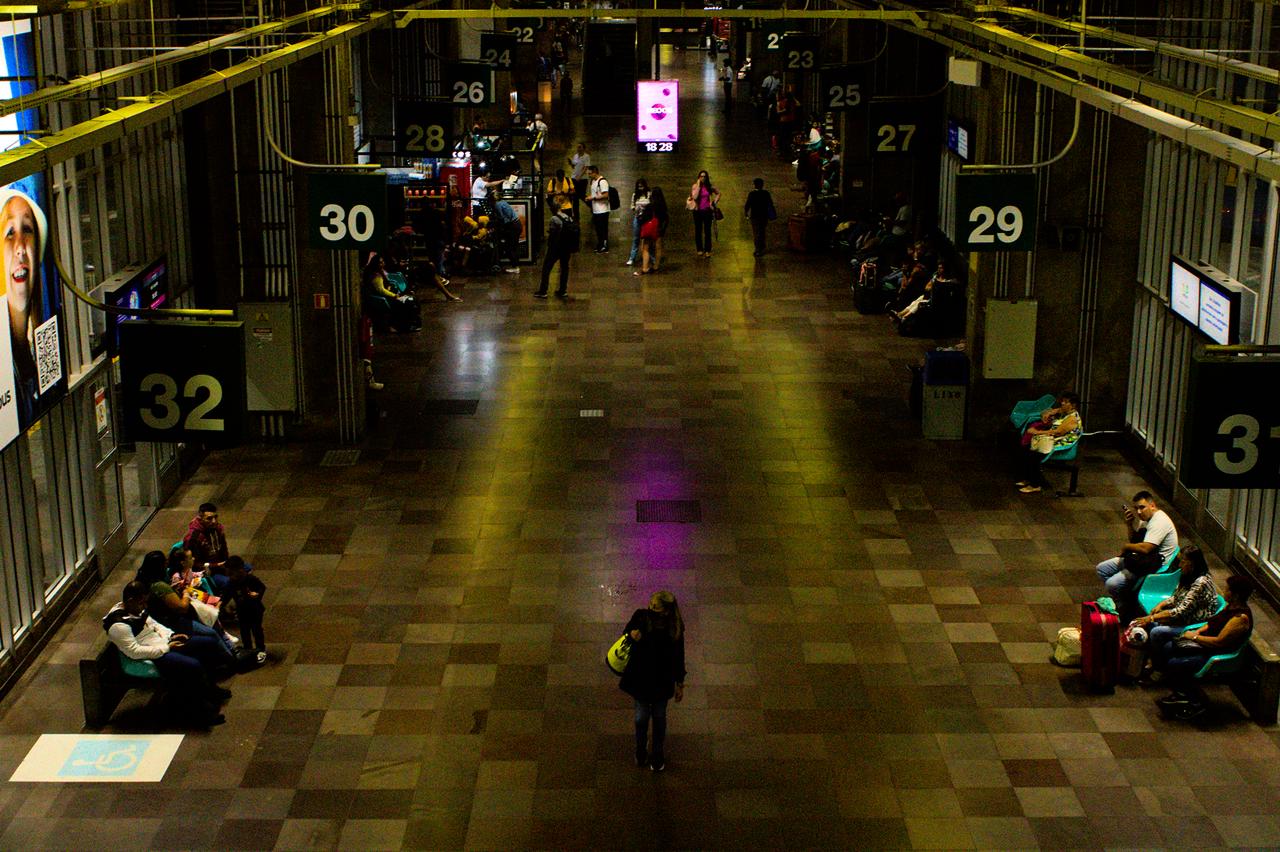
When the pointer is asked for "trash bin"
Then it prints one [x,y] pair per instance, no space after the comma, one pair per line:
[946,385]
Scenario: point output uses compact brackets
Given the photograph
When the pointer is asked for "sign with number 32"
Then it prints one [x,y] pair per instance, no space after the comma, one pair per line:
[182,381]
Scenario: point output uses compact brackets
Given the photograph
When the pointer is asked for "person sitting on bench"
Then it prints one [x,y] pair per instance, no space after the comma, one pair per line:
[1059,427]
[180,659]
[1183,658]
[1152,542]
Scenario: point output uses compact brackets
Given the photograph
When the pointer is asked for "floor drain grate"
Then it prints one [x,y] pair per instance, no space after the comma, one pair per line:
[591,412]
[340,458]
[668,512]
[451,407]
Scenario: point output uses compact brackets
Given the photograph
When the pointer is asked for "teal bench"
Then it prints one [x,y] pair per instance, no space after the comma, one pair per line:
[106,676]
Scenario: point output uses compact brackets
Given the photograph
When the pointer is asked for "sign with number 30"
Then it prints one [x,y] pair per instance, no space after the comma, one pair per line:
[347,211]
[1231,431]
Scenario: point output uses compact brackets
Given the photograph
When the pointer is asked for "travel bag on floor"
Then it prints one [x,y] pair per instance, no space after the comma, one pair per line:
[1133,653]
[804,232]
[1066,649]
[1099,647]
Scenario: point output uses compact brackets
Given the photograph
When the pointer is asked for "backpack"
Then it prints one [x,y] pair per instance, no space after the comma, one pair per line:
[570,236]
[614,200]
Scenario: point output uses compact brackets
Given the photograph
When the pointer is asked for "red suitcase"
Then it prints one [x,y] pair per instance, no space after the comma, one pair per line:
[1099,647]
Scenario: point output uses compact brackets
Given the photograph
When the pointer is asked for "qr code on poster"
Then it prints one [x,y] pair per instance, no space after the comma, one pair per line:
[48,354]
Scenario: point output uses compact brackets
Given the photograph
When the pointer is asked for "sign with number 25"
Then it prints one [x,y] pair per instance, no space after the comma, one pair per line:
[182,381]
[996,212]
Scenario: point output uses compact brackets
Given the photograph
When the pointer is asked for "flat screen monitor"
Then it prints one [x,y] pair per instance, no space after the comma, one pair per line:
[1184,291]
[657,116]
[148,289]
[959,140]
[1219,312]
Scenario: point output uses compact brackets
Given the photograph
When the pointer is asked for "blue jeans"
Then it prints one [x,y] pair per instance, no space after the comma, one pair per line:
[657,711]
[635,241]
[184,668]
[1120,582]
[1160,639]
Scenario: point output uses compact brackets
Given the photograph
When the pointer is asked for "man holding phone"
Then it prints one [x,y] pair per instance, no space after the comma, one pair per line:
[1152,542]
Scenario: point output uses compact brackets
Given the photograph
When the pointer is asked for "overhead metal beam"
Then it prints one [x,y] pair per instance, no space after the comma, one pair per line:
[86,136]
[89,82]
[1160,48]
[404,18]
[1231,115]
[1251,158]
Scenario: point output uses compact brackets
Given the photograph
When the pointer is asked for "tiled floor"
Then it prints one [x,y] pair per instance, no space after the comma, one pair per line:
[868,612]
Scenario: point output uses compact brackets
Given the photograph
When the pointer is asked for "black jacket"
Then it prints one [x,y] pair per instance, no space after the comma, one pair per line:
[656,664]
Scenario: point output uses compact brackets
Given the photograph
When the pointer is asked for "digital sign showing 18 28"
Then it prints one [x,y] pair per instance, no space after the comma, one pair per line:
[657,116]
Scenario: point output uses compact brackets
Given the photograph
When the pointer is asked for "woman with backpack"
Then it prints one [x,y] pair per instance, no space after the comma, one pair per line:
[655,673]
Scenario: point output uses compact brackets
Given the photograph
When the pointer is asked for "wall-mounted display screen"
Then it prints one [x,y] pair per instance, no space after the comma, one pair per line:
[32,362]
[959,140]
[1184,291]
[148,289]
[1219,311]
[657,116]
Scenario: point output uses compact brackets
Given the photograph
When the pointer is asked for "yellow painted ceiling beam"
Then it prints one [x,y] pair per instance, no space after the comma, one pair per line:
[90,82]
[43,153]
[1161,48]
[407,17]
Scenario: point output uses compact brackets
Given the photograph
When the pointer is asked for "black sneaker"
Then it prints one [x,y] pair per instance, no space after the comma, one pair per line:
[1190,712]
[539,295]
[658,764]
[641,758]
[562,296]
[1174,699]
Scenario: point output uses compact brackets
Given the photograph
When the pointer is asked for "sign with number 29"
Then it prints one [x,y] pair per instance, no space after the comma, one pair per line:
[996,212]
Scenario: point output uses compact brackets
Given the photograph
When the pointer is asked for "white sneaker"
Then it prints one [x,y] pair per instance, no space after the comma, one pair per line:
[233,641]
[261,658]
[631,263]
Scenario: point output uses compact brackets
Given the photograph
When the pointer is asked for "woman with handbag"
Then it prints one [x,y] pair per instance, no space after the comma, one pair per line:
[639,205]
[655,673]
[1060,426]
[702,200]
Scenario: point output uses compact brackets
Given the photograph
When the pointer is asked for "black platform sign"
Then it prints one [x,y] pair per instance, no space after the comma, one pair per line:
[904,128]
[773,32]
[182,381]
[469,84]
[844,89]
[347,211]
[498,50]
[799,52]
[1231,427]
[423,128]
[996,212]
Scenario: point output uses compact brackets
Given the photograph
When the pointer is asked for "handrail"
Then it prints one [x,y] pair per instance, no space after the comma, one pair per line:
[141,313]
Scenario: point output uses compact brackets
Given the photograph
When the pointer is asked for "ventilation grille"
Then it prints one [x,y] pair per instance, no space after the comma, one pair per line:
[668,512]
[340,458]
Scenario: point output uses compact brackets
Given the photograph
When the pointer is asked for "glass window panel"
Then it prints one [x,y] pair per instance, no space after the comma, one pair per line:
[1224,221]
[42,472]
[1251,274]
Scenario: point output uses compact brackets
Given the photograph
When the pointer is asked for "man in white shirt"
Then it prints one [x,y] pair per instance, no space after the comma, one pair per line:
[580,161]
[726,80]
[902,219]
[598,192]
[181,660]
[480,194]
[1152,542]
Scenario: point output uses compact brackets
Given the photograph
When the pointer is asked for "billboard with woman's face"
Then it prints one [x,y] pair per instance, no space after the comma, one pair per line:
[32,366]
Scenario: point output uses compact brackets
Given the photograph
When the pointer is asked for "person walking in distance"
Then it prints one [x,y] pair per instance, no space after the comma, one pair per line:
[639,205]
[563,238]
[759,210]
[655,673]
[580,163]
[598,192]
[701,202]
[726,80]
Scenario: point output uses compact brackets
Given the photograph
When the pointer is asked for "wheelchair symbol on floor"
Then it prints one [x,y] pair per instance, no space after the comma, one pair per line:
[104,758]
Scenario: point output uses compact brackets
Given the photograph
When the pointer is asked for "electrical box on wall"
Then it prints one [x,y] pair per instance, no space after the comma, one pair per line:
[270,375]
[1009,347]
[964,72]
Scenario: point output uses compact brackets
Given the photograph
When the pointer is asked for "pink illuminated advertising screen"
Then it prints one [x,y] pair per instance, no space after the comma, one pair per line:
[657,116]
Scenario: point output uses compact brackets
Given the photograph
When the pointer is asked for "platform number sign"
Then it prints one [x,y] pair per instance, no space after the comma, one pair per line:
[1231,426]
[996,212]
[469,84]
[423,128]
[182,381]
[347,211]
[498,50]
[800,52]
[524,31]
[843,89]
[900,128]
[773,34]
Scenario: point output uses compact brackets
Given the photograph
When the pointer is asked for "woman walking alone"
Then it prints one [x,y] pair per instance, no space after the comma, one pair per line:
[655,673]
[702,201]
